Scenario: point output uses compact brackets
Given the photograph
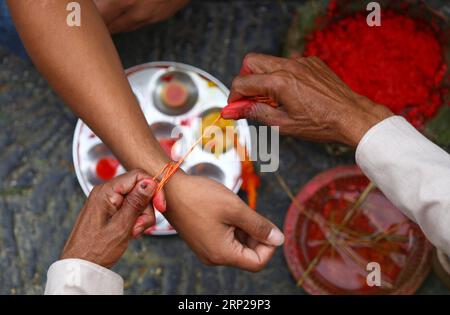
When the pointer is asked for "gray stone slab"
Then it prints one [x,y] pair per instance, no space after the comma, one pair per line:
[39,193]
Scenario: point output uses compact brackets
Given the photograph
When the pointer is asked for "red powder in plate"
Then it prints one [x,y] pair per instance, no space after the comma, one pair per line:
[175,94]
[399,64]
[106,168]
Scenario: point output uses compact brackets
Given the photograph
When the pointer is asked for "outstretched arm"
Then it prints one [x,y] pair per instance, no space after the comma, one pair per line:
[315,104]
[82,65]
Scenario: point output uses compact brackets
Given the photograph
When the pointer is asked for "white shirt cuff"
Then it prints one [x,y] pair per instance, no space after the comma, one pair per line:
[76,276]
[412,172]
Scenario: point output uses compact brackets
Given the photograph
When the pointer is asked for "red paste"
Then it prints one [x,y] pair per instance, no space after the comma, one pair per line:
[106,168]
[399,64]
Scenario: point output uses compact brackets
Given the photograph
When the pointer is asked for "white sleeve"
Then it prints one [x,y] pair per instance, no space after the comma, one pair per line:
[412,172]
[76,276]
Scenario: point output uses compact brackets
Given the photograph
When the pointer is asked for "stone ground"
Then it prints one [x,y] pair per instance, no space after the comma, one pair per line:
[39,193]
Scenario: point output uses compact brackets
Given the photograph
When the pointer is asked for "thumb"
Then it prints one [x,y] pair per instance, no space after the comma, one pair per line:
[260,112]
[135,203]
[258,227]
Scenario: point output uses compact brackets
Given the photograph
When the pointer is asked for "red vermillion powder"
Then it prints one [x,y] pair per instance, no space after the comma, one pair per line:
[398,64]
[106,168]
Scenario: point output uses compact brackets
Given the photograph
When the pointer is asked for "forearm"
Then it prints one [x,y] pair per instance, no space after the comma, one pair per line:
[412,172]
[82,65]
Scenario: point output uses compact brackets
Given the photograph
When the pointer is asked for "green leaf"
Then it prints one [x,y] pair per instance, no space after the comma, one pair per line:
[438,129]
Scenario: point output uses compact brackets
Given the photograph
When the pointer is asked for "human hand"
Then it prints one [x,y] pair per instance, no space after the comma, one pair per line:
[114,213]
[314,103]
[218,226]
[129,15]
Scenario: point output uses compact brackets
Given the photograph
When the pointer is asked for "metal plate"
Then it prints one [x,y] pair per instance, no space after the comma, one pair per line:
[205,93]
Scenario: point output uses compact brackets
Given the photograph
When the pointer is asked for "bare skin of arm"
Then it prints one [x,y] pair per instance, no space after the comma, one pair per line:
[75,59]
[82,65]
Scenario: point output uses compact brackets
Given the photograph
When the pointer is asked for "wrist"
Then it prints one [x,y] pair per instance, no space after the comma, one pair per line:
[357,123]
[153,164]
[174,180]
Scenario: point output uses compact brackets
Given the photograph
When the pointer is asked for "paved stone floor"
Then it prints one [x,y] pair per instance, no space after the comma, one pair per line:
[39,193]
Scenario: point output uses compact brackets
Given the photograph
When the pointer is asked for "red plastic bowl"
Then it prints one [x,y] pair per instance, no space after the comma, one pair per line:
[404,258]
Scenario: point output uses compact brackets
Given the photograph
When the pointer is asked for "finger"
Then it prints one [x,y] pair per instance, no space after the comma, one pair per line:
[110,10]
[109,197]
[123,184]
[106,202]
[143,222]
[159,201]
[134,204]
[123,23]
[129,21]
[252,259]
[241,236]
[237,109]
[258,227]
[254,63]
[250,242]
[245,70]
[256,85]
[262,113]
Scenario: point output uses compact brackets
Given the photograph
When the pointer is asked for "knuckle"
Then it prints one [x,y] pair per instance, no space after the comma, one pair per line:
[291,63]
[235,83]
[256,268]
[249,57]
[136,200]
[302,60]
[235,209]
[262,228]
[139,172]
[216,258]
[281,79]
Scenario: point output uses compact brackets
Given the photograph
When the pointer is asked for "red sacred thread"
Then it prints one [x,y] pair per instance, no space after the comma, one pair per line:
[250,181]
[399,64]
[163,176]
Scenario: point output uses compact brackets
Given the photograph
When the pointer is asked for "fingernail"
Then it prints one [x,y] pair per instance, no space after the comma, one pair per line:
[275,237]
[237,109]
[147,185]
